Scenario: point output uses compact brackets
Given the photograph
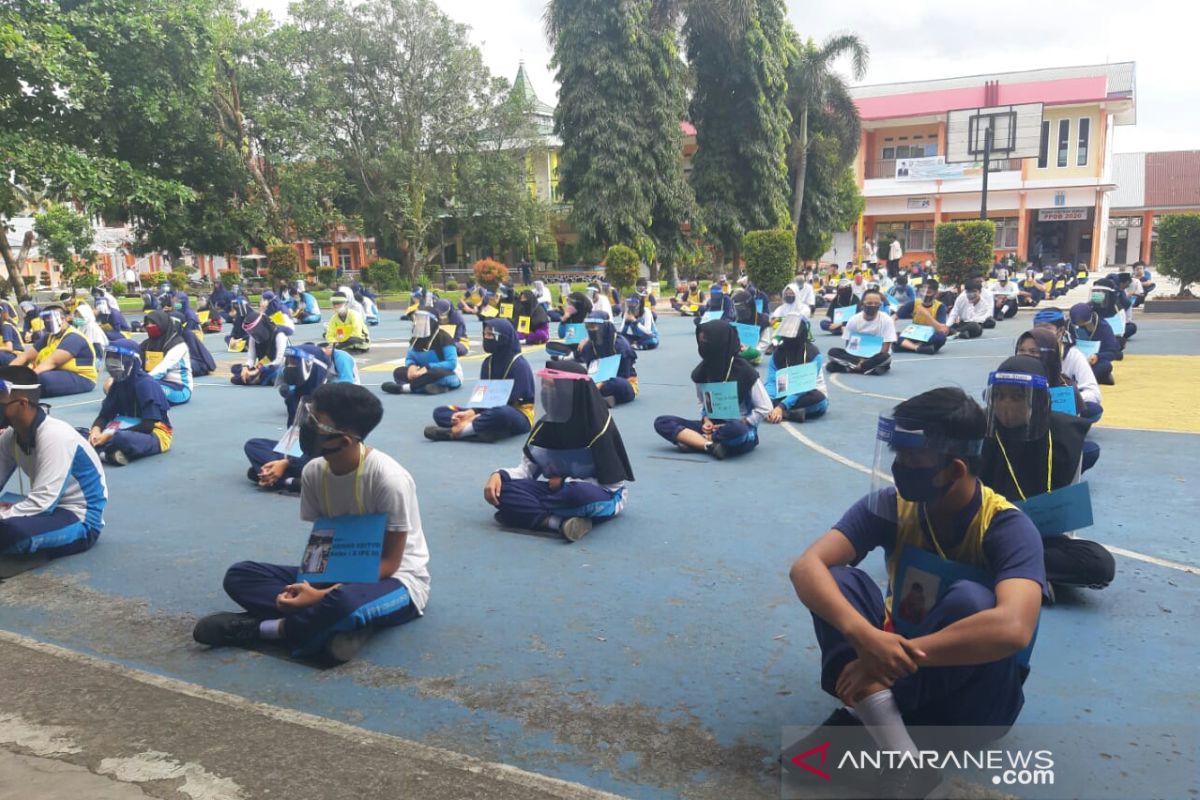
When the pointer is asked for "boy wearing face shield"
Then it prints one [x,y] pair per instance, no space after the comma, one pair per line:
[134,395]
[574,469]
[870,321]
[345,329]
[343,478]
[63,511]
[930,311]
[1088,325]
[1030,451]
[794,348]
[603,342]
[962,664]
[62,357]
[973,311]
[305,369]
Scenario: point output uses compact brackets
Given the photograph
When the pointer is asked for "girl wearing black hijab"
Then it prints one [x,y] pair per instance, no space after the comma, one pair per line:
[574,469]
[1043,343]
[603,342]
[431,364]
[1031,450]
[794,347]
[504,362]
[718,344]
[576,309]
[638,327]
[845,298]
[265,352]
[529,314]
[166,357]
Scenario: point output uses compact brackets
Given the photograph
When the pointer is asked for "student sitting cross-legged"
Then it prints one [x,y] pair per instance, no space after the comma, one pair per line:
[513,418]
[305,369]
[63,511]
[869,322]
[133,421]
[955,653]
[795,347]
[431,364]
[61,356]
[574,468]
[344,478]
[929,312]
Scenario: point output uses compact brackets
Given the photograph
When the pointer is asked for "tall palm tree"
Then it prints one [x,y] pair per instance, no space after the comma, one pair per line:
[813,84]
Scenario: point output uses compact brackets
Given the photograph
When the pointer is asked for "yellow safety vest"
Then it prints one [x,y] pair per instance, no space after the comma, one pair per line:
[84,370]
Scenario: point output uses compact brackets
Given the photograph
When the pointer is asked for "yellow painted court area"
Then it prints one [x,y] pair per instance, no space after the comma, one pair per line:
[389,366]
[1155,393]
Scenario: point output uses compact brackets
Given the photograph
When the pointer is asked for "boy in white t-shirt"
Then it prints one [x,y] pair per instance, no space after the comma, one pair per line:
[344,477]
[870,321]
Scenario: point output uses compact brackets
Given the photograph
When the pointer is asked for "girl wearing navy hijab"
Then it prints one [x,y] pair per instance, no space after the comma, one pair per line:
[136,396]
[574,469]
[527,305]
[504,362]
[718,301]
[603,342]
[431,365]
[719,346]
[305,367]
[576,309]
[639,328]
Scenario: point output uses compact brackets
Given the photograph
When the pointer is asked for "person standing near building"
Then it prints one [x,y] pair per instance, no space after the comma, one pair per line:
[895,253]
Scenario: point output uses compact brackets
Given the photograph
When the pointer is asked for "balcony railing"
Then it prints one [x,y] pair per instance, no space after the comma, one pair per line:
[886,169]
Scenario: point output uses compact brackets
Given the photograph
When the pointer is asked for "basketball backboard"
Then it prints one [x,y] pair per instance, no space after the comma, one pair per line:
[1016,132]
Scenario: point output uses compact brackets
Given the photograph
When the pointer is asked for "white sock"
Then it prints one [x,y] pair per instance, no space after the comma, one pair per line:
[405,388]
[271,629]
[554,522]
[881,716]
[468,431]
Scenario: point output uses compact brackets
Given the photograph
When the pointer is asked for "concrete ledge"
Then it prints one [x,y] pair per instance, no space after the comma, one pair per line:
[1172,306]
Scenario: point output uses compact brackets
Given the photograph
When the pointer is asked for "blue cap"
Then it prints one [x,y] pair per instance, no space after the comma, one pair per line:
[1049,316]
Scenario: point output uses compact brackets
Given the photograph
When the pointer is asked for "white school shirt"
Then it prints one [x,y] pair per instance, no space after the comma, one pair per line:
[1076,367]
[63,471]
[386,488]
[807,296]
[882,326]
[965,311]
[1007,289]
[281,344]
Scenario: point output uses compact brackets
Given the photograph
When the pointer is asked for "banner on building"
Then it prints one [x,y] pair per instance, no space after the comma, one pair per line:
[932,168]
[920,203]
[1062,214]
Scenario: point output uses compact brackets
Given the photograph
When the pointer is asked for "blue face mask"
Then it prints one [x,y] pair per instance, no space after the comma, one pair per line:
[916,484]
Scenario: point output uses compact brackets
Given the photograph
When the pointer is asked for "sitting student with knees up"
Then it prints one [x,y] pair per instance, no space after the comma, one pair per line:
[431,364]
[1030,451]
[344,478]
[603,342]
[453,323]
[638,326]
[342,366]
[166,358]
[265,352]
[62,357]
[1088,325]
[1044,344]
[576,309]
[532,321]
[1030,292]
[133,422]
[574,468]
[11,343]
[514,417]
[745,312]
[973,311]
[689,301]
[794,348]
[600,299]
[844,298]
[930,312]
[718,303]
[1004,297]
[1075,369]
[305,369]
[63,511]
[965,659]
[869,322]
[345,329]
[733,401]
[109,316]
[308,310]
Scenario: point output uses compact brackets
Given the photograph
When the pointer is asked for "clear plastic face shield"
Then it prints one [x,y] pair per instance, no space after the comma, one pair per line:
[556,395]
[340,306]
[53,320]
[1018,406]
[297,367]
[102,308]
[921,467]
[791,326]
[299,287]
[422,324]
[118,364]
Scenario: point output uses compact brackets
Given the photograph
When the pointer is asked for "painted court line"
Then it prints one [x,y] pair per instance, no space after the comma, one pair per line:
[857,467]
[446,758]
[836,380]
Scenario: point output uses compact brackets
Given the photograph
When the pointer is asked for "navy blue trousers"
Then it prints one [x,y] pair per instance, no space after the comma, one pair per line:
[60,383]
[525,503]
[266,375]
[619,389]
[59,533]
[984,694]
[1091,454]
[261,451]
[381,604]
[496,423]
[133,444]
[738,437]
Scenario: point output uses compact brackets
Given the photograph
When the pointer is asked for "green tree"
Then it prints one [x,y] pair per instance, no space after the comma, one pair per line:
[770,258]
[815,88]
[66,237]
[1178,249]
[739,52]
[834,202]
[620,103]
[282,263]
[964,249]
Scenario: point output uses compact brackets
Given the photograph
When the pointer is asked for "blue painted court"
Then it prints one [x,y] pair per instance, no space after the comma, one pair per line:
[663,654]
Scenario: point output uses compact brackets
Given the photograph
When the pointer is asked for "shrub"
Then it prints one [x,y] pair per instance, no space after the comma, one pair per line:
[964,249]
[314,264]
[547,251]
[178,280]
[117,288]
[229,277]
[452,285]
[84,279]
[570,254]
[382,274]
[490,273]
[282,263]
[326,276]
[1178,250]
[621,266]
[155,279]
[770,258]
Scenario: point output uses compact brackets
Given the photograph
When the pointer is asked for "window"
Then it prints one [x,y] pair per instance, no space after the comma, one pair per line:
[889,153]
[887,230]
[1006,233]
[1042,153]
[920,236]
[1085,126]
[1064,141]
[344,258]
[902,151]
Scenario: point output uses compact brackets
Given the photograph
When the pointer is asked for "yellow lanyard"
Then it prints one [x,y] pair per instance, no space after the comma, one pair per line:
[510,365]
[932,533]
[362,457]
[1049,465]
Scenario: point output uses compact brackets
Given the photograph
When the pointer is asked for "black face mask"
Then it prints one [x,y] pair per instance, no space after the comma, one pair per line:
[789,298]
[491,345]
[312,441]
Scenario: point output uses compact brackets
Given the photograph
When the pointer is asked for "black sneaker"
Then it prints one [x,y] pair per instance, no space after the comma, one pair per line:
[718,451]
[343,646]
[841,728]
[796,415]
[288,485]
[252,474]
[392,387]
[436,433]
[226,630]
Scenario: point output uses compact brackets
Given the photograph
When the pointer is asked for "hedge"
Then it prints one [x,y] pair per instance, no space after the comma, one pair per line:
[1178,248]
[770,258]
[621,266]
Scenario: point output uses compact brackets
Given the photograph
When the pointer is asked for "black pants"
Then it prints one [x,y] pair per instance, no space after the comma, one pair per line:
[840,361]
[1008,310]
[1077,562]
[972,330]
[432,375]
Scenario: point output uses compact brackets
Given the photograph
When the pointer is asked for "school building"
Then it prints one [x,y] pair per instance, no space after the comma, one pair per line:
[1149,187]
[1050,208]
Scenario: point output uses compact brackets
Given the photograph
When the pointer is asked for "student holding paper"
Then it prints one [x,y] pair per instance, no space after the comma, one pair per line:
[532,322]
[1104,304]
[689,301]
[358,486]
[452,321]
[133,421]
[346,329]
[1075,369]
[795,349]
[305,369]
[1090,327]
[869,325]
[1031,451]
[599,299]
[973,311]
[927,314]
[514,415]
[431,365]
[603,342]
[901,292]
[1043,344]
[720,306]
[574,468]
[638,327]
[835,317]
[576,309]
[308,310]
[733,401]
[1031,291]
[265,350]
[63,511]
[980,564]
